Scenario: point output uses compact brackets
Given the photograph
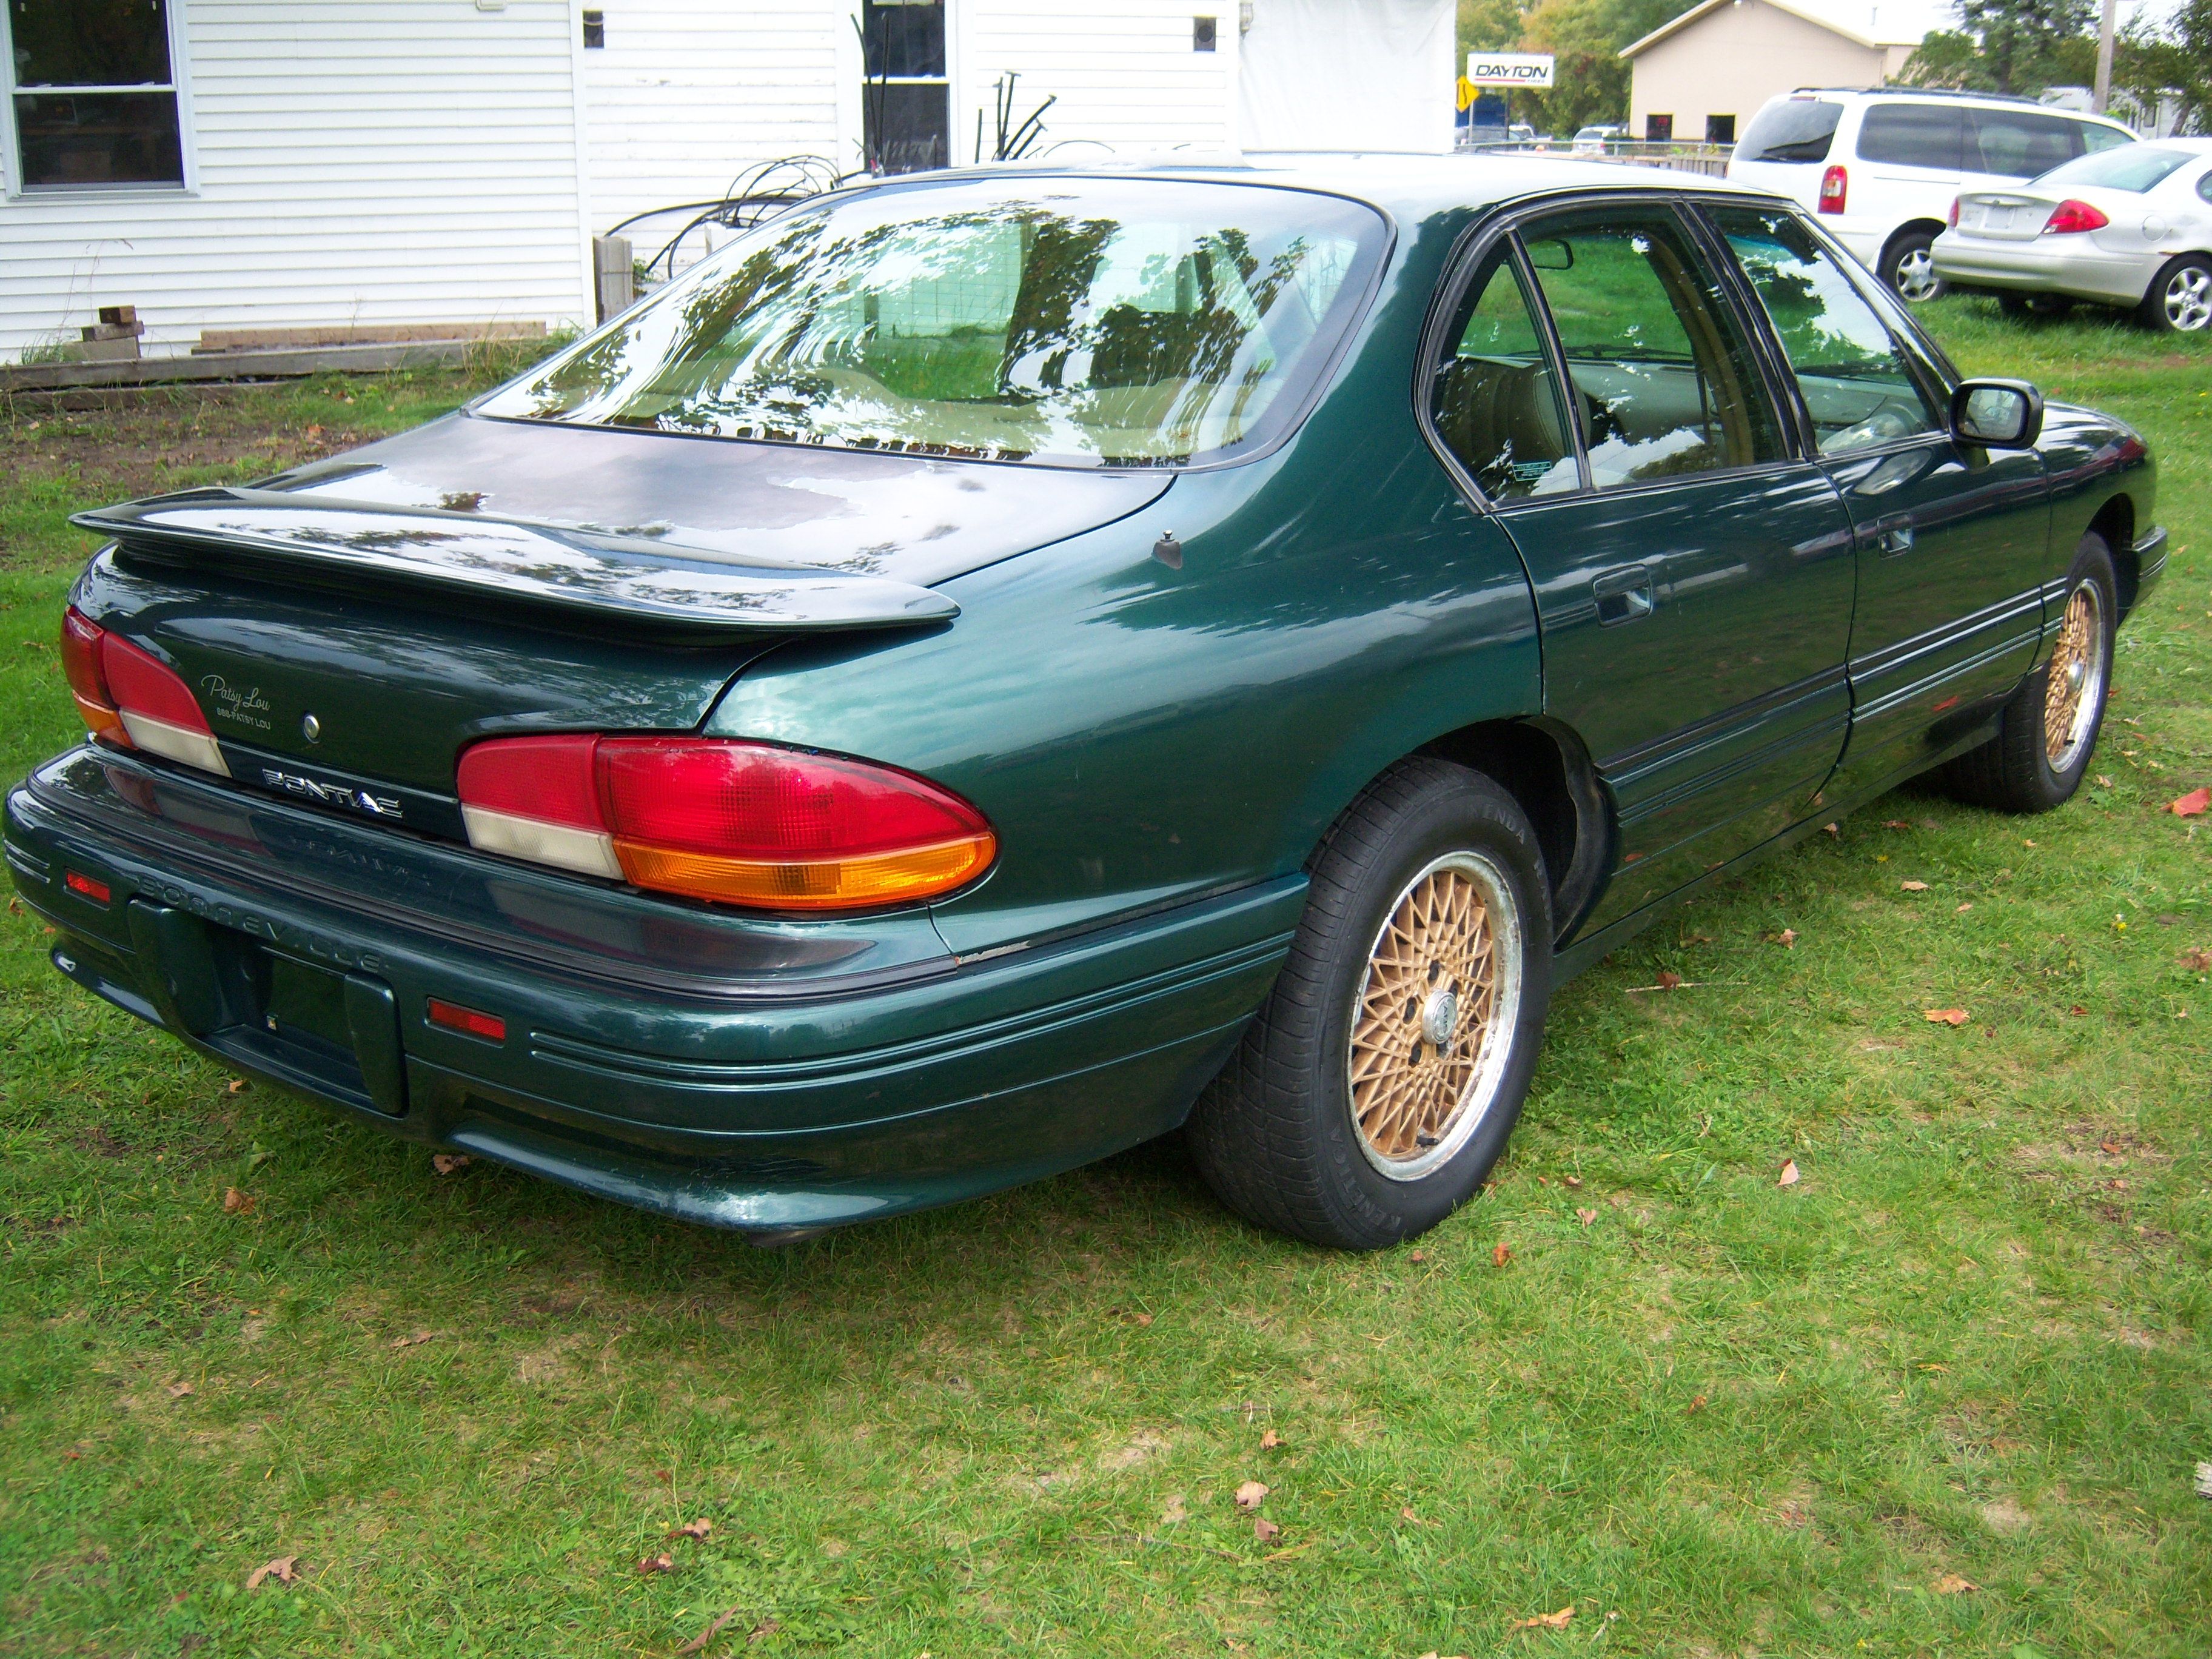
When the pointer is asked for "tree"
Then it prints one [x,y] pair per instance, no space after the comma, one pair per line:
[2152,63]
[2018,47]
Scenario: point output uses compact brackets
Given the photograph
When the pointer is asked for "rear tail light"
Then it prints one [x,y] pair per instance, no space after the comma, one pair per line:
[1835,187]
[742,822]
[2070,216]
[132,699]
[1955,213]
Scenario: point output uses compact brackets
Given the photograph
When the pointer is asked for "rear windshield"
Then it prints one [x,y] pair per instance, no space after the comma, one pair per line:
[1795,130]
[1096,322]
[2132,166]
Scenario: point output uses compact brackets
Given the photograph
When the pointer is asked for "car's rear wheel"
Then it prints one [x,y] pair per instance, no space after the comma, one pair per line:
[2180,298]
[2023,307]
[2041,752]
[1383,1076]
[1908,264]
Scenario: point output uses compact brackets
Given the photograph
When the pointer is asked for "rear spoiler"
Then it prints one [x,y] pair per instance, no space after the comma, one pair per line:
[510,561]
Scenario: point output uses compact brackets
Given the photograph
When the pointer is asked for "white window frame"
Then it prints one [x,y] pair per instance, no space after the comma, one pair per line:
[179,85]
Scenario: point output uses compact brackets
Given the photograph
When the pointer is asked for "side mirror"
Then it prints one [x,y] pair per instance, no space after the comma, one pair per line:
[1996,414]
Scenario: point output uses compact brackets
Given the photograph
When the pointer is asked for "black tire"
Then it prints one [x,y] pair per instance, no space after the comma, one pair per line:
[1907,266]
[2021,769]
[2180,298]
[1275,1136]
[2034,307]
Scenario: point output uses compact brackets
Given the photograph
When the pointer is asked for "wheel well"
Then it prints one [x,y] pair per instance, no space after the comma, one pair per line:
[1546,770]
[2115,523]
[1934,226]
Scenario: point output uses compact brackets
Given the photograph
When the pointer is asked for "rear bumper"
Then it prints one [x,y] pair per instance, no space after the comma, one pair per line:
[2040,267]
[740,1073]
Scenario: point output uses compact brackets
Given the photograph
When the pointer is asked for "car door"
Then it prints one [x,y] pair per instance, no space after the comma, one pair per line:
[2005,145]
[1951,540]
[1908,155]
[1692,571]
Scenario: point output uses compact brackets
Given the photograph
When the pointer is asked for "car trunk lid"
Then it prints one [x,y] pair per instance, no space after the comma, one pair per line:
[2004,215]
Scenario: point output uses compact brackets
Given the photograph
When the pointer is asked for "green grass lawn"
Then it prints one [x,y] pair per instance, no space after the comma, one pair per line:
[1941,1395]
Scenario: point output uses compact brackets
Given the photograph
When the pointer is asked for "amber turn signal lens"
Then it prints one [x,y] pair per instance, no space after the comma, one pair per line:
[95,703]
[812,884]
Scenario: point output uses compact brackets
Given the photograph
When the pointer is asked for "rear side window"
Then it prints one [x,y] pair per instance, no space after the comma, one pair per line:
[2020,143]
[1914,136]
[1795,130]
[2204,186]
[1663,382]
[1496,400]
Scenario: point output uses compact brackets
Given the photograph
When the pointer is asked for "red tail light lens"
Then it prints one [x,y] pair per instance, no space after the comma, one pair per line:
[1835,188]
[2071,216]
[1955,213]
[81,638]
[744,822]
[132,699]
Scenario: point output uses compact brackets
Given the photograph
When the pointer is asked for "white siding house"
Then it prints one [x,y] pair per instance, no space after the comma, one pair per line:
[344,163]
[297,165]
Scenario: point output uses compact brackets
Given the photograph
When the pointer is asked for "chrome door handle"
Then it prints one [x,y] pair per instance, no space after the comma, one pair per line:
[1624,595]
[1897,538]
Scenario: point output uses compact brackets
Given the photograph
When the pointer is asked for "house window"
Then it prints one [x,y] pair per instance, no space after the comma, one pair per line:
[1658,129]
[92,95]
[1720,129]
[595,31]
[906,99]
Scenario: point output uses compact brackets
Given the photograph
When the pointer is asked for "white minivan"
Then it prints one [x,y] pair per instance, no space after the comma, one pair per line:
[1882,167]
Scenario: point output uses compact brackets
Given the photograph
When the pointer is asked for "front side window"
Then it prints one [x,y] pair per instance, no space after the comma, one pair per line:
[1663,381]
[2020,143]
[93,94]
[1136,323]
[1848,365]
[1913,135]
[1496,400]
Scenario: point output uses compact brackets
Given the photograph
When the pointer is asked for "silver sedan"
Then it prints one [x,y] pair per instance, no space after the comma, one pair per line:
[2129,226]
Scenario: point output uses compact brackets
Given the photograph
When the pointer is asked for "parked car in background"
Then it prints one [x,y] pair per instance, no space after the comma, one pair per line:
[2129,228]
[1593,141]
[1882,167]
[988,668]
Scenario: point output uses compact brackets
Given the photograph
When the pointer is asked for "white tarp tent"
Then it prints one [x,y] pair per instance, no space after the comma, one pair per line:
[1348,75]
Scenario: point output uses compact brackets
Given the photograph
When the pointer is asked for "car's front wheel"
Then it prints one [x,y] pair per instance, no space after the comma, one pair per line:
[1383,1076]
[2179,298]
[1908,264]
[2041,752]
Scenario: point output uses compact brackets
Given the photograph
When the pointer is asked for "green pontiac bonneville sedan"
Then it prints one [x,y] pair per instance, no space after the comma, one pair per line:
[993,666]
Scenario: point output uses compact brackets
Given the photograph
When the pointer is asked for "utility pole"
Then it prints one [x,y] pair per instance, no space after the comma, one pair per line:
[2104,94]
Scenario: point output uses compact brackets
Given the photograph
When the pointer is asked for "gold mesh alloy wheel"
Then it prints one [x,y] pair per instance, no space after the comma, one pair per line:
[2076,685]
[1433,1020]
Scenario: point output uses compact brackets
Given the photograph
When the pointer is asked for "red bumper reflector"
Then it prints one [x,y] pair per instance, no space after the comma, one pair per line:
[469,1022]
[85,887]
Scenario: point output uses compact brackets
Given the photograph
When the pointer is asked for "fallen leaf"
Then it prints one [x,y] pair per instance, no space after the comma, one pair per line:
[1895,824]
[1270,1440]
[1832,829]
[447,1163]
[1787,938]
[237,1203]
[1668,979]
[767,1627]
[1914,887]
[2110,1148]
[1265,1530]
[2077,1009]
[698,1642]
[1586,1216]
[283,1570]
[410,1341]
[2204,1479]
[1250,1495]
[1963,908]
[1947,1016]
[2103,782]
[178,1390]
[1695,1406]
[1502,1255]
[698,1529]
[1789,1175]
[236,1086]
[2195,959]
[1572,1181]
[1951,1585]
[1418,1255]
[1552,1620]
[2192,805]
[652,1563]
